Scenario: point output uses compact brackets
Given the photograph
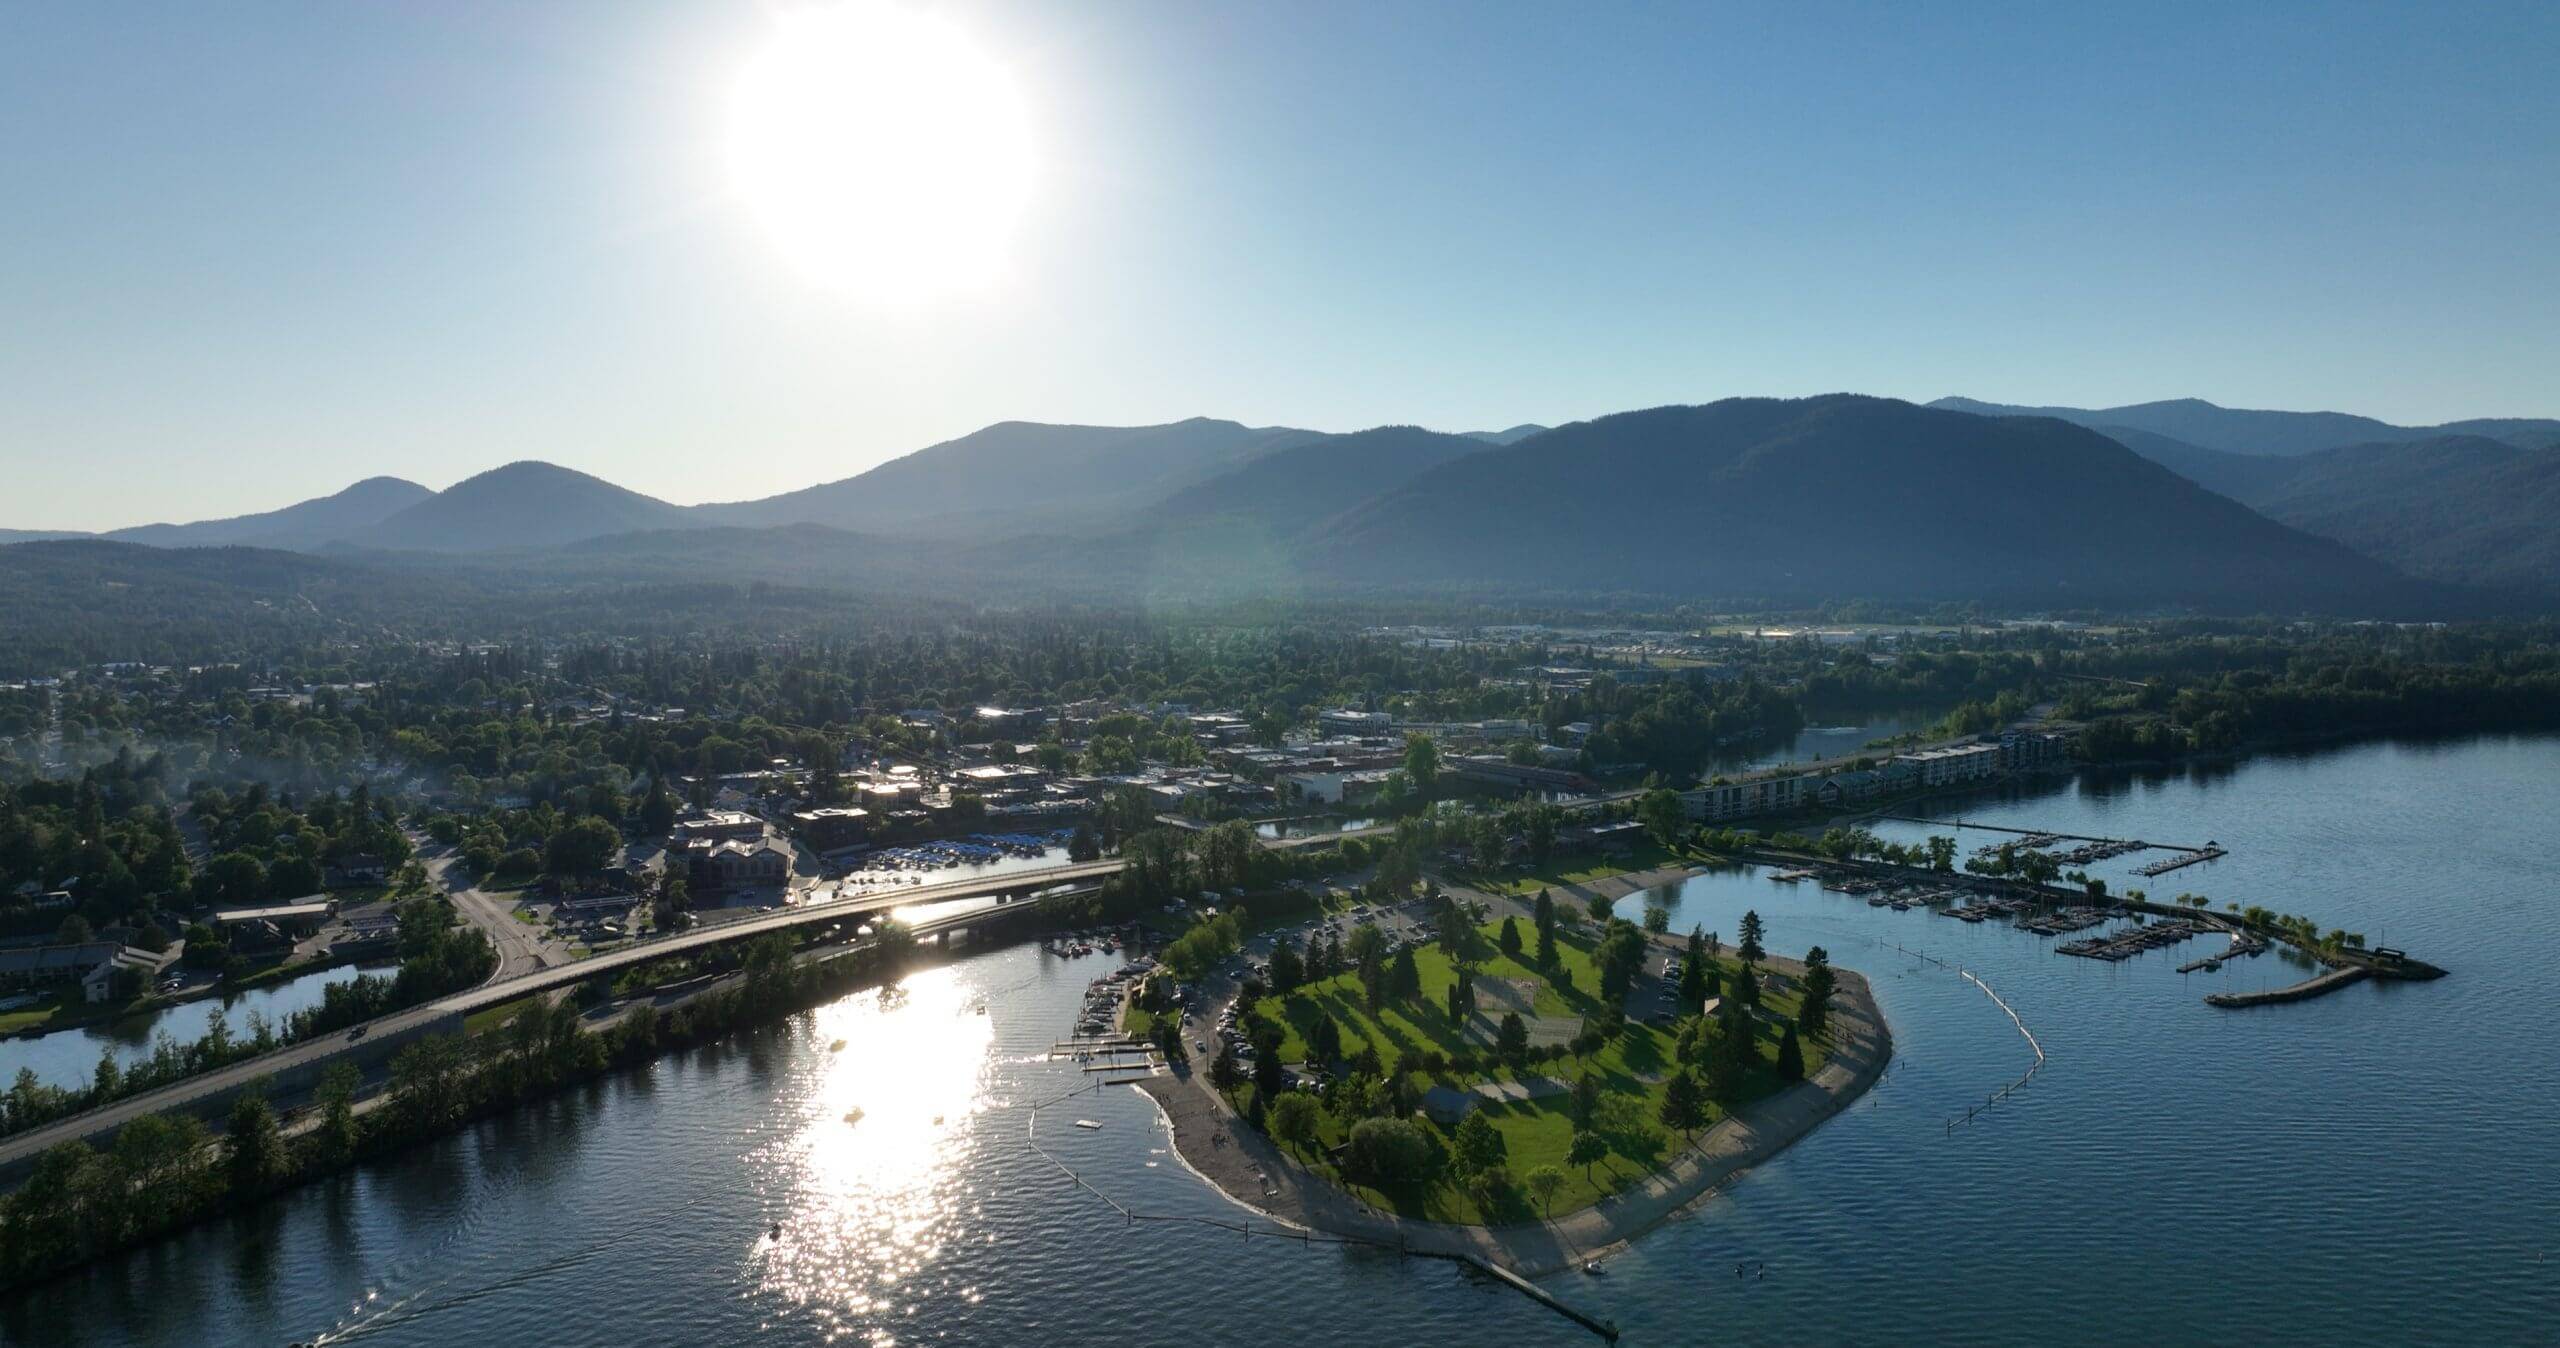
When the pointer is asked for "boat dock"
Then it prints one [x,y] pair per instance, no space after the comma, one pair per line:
[2132,941]
[2210,852]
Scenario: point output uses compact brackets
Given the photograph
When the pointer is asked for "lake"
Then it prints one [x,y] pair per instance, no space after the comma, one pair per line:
[2379,1164]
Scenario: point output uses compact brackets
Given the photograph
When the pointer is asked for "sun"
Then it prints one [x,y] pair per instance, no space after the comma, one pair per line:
[883,152]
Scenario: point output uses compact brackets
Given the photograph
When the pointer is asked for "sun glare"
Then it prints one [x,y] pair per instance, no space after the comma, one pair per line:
[882,150]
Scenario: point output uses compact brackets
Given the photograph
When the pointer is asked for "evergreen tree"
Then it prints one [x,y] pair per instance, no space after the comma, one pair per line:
[1790,1057]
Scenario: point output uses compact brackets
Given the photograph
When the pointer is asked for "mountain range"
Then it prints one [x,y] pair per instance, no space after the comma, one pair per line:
[2240,430]
[1839,495]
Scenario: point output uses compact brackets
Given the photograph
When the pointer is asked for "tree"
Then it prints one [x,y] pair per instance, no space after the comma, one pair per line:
[1543,913]
[1942,853]
[1287,970]
[1660,812]
[1084,844]
[75,930]
[657,815]
[1462,1001]
[1684,1103]
[1324,1041]
[1601,907]
[1544,1181]
[1657,918]
[1404,977]
[333,1143]
[1813,1013]
[1508,939]
[253,1147]
[1477,1146]
[1693,974]
[1511,1041]
[1746,986]
[1296,1118]
[1586,1101]
[1422,763]
[1586,1151]
[1752,931]
[1619,957]
[1390,1154]
[1790,1056]
[1225,1073]
[581,849]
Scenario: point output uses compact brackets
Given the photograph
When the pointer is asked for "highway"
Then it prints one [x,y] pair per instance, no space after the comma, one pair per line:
[18,1151]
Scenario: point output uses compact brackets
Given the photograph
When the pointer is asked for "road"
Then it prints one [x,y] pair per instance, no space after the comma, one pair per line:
[521,947]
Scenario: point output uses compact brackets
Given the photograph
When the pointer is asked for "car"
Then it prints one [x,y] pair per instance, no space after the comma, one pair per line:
[357,1033]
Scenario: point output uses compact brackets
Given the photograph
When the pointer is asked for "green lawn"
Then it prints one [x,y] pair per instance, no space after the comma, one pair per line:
[490,1018]
[1584,867]
[52,1013]
[1631,1071]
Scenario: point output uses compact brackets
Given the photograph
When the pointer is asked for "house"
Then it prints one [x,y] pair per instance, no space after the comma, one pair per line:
[833,826]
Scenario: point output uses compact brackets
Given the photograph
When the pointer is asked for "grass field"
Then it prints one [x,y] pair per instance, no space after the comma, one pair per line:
[1583,868]
[1631,1071]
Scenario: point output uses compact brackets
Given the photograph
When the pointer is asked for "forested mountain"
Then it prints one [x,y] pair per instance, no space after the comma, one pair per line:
[305,525]
[2250,431]
[1024,471]
[1516,434]
[1836,496]
[523,504]
[1291,489]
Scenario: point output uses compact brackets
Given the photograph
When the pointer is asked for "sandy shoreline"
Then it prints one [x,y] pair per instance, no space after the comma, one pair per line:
[1215,1144]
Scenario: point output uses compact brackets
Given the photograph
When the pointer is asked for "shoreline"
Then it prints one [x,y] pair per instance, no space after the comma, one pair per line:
[1214,1143]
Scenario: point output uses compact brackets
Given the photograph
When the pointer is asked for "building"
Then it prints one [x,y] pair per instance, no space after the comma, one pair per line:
[720,825]
[2027,750]
[833,826]
[299,918]
[1954,765]
[1502,772]
[93,966]
[1357,724]
[736,864]
[1737,800]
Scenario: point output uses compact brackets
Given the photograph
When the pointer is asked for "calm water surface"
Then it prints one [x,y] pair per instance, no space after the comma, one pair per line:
[70,1057]
[2380,1164]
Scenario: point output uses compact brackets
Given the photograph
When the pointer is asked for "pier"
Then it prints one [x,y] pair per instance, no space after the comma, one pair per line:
[2041,837]
[2327,982]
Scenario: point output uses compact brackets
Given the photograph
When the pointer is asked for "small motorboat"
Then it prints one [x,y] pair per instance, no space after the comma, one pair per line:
[1088,1125]
[836,1047]
[1593,1269]
[853,1115]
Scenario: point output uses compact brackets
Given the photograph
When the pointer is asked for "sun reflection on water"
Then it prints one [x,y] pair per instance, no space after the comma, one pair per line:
[863,1181]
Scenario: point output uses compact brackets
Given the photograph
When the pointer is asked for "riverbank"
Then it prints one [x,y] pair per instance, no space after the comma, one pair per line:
[1214,1143]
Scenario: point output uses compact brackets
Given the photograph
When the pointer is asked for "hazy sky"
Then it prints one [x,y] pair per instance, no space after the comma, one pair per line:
[251,253]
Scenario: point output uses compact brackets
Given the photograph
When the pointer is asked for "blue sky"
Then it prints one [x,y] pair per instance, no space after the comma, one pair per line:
[251,253]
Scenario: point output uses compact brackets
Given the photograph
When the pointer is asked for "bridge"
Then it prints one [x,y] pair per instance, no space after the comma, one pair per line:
[303,1062]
